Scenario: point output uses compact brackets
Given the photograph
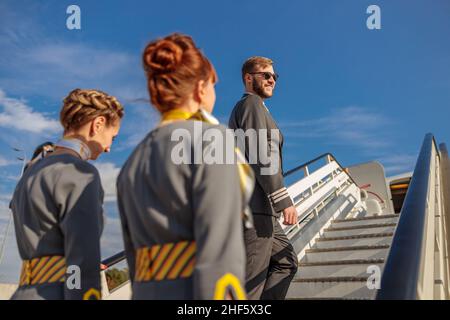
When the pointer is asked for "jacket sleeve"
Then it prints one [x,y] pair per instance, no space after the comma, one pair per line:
[80,195]
[268,172]
[220,253]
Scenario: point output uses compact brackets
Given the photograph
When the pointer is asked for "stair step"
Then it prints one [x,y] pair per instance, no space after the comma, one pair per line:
[357,236]
[331,288]
[384,216]
[329,298]
[333,233]
[348,248]
[318,256]
[352,241]
[354,222]
[341,262]
[337,227]
[333,279]
[342,268]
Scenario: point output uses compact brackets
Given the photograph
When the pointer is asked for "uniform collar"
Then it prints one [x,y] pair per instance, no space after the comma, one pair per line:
[75,145]
[177,114]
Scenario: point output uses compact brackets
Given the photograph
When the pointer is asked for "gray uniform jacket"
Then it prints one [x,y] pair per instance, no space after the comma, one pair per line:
[57,209]
[270,196]
[182,223]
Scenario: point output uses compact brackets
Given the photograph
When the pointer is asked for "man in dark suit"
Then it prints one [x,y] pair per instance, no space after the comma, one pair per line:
[271,259]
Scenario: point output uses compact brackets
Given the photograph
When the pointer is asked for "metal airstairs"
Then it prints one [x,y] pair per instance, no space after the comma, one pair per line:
[346,234]
[350,242]
[345,260]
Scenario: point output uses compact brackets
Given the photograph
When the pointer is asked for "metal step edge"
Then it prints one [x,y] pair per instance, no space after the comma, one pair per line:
[342,262]
[368,226]
[331,279]
[359,236]
[332,298]
[386,216]
[320,250]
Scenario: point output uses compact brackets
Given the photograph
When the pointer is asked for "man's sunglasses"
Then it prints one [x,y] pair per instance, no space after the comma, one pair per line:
[267,75]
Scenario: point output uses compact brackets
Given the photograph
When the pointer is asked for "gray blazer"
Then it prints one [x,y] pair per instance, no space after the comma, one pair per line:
[58,211]
[270,196]
[167,209]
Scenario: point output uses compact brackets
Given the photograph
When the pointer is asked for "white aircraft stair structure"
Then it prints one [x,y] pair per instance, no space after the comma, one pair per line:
[351,244]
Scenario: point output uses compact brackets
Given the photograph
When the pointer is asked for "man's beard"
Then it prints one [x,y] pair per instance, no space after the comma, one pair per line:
[259,89]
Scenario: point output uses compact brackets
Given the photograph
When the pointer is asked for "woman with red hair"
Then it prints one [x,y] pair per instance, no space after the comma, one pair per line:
[182,222]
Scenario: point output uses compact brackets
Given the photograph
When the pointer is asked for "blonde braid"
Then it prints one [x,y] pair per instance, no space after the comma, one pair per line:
[82,106]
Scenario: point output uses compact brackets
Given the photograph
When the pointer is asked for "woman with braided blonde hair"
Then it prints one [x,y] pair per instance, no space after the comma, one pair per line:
[57,204]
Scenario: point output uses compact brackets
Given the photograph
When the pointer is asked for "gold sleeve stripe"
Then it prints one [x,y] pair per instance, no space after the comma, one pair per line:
[174,254]
[23,274]
[48,269]
[167,261]
[156,264]
[189,269]
[58,276]
[183,260]
[149,266]
[34,262]
[44,269]
[144,261]
[58,266]
[39,266]
[138,262]
[139,259]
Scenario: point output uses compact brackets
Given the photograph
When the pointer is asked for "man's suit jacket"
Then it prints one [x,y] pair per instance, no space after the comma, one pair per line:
[270,196]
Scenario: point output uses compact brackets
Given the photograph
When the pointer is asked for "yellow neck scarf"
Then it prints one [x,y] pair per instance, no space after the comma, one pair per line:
[178,114]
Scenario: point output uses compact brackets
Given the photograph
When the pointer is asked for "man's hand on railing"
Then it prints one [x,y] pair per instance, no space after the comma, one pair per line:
[290,216]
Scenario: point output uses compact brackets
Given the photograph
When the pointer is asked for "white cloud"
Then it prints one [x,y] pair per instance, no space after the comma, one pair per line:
[71,65]
[35,62]
[4,196]
[108,174]
[355,126]
[368,132]
[53,68]
[18,115]
[5,162]
[398,163]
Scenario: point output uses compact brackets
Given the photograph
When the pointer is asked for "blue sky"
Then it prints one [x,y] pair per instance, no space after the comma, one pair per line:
[357,93]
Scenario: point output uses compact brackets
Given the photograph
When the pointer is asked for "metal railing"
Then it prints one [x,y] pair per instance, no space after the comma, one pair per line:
[417,264]
[327,155]
[110,261]
[316,189]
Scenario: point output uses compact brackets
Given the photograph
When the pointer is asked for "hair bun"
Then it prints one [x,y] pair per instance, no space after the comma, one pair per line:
[162,56]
